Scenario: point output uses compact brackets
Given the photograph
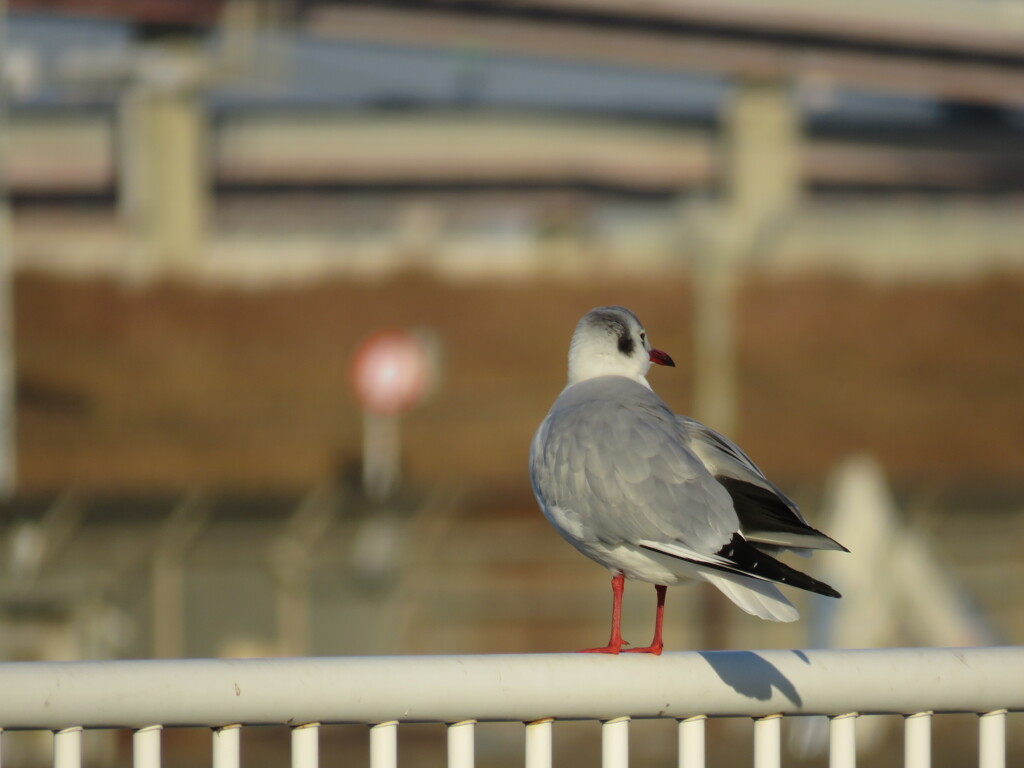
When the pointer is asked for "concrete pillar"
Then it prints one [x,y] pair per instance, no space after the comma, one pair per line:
[162,160]
[762,154]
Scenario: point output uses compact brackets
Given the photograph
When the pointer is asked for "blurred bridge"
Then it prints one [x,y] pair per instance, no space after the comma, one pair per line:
[760,105]
[952,51]
[955,51]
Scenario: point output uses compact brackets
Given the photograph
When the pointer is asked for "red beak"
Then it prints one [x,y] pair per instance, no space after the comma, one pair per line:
[661,358]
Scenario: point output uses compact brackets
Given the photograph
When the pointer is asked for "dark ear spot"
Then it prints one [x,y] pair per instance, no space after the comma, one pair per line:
[626,343]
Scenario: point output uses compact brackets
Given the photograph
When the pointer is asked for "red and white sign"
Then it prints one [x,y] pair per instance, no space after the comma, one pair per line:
[391,372]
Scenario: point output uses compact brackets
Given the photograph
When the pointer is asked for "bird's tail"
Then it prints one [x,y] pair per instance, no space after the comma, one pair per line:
[759,598]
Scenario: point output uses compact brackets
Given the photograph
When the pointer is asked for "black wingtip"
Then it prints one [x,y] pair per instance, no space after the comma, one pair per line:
[746,560]
[754,562]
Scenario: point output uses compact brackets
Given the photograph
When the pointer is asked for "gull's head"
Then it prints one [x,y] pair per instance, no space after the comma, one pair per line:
[610,341]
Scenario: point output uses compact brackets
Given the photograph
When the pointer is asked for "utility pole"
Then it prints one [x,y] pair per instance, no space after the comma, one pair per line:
[8,445]
[761,184]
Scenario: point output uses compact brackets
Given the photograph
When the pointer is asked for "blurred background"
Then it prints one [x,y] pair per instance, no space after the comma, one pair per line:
[817,208]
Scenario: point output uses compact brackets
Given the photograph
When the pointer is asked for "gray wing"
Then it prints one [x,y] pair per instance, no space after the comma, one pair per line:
[767,516]
[611,452]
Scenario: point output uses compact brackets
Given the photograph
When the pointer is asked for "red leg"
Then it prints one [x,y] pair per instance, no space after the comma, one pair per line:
[615,642]
[656,644]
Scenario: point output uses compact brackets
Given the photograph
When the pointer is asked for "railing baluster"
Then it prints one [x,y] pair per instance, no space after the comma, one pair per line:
[226,746]
[615,743]
[917,740]
[67,748]
[306,745]
[992,739]
[768,742]
[538,743]
[146,747]
[461,744]
[842,741]
[384,745]
[691,742]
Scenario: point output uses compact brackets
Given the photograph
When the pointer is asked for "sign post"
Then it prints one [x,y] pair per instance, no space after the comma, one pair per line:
[391,372]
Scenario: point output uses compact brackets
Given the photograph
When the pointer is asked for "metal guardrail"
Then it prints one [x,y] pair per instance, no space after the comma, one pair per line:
[539,690]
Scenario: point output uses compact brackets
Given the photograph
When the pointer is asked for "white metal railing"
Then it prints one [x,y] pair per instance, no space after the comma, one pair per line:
[538,690]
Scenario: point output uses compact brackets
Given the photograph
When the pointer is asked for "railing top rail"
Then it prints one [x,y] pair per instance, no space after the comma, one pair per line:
[215,692]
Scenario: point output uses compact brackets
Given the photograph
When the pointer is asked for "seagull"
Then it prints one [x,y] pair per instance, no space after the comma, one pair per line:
[659,497]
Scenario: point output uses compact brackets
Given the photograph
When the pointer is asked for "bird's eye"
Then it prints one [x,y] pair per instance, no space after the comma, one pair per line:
[643,336]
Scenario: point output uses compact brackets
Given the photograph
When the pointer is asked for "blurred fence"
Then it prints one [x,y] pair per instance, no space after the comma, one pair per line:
[322,574]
